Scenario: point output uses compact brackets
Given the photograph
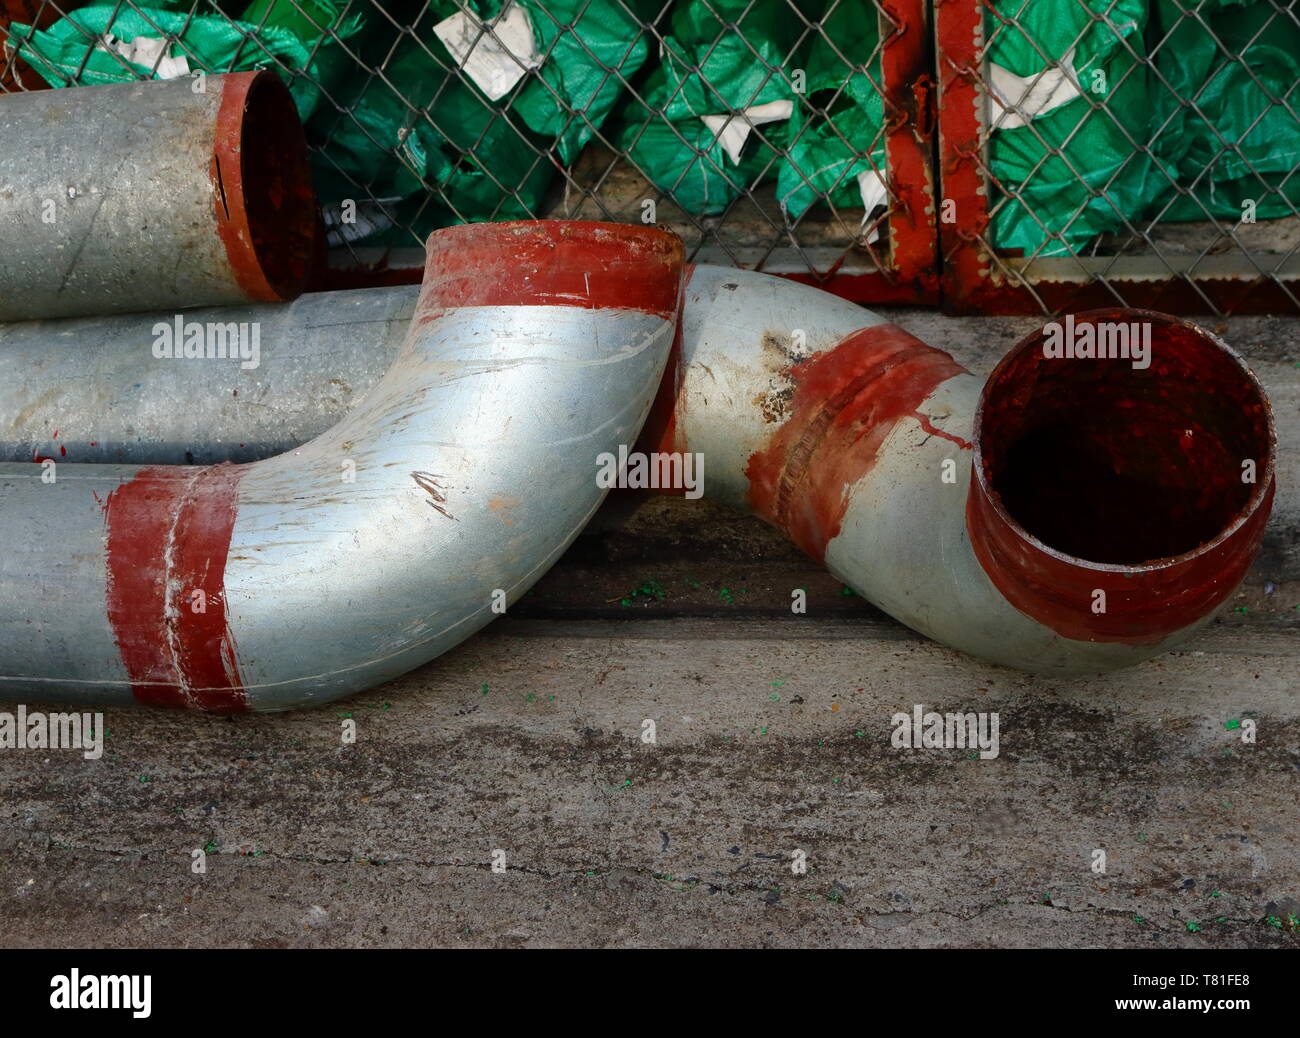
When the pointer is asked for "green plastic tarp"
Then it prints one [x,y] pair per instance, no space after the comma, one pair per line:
[420,123]
[1195,117]
[827,153]
[718,59]
[69,52]
[1238,124]
[1073,166]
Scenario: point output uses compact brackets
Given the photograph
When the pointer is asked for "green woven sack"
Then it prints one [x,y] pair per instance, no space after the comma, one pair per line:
[719,58]
[1239,126]
[1073,165]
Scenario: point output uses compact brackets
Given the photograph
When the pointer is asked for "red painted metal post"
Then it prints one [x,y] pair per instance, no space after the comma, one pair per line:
[963,203]
[908,81]
[910,273]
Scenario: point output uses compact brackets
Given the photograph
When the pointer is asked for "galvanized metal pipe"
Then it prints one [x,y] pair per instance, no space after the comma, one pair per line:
[923,490]
[157,194]
[851,435]
[440,498]
[93,389]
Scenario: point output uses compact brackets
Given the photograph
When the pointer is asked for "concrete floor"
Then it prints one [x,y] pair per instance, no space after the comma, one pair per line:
[772,736]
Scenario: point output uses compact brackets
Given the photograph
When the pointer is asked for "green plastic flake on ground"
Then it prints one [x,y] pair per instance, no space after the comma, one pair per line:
[651,590]
[1230,725]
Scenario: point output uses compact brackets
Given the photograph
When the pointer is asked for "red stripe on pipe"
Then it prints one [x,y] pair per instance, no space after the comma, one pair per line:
[553,263]
[169,532]
[1143,605]
[846,402]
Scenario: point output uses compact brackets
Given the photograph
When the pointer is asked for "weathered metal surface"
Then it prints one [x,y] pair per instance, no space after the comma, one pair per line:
[93,390]
[152,195]
[448,491]
[858,442]
[908,86]
[807,409]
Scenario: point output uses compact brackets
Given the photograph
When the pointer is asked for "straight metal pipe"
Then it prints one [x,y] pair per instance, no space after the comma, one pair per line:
[153,195]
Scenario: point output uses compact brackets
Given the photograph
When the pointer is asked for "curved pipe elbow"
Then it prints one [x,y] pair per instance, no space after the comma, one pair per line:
[878,455]
[1071,515]
[383,542]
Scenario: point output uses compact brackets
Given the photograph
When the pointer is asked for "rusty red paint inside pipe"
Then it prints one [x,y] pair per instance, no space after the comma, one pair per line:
[265,206]
[1092,476]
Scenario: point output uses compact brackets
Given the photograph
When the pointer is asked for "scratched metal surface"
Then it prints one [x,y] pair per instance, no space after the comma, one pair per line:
[125,169]
[333,584]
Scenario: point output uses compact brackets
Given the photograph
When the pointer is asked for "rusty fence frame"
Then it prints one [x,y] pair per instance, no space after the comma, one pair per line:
[907,79]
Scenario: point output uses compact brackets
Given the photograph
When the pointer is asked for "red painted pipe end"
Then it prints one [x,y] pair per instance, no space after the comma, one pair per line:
[553,263]
[262,187]
[1123,475]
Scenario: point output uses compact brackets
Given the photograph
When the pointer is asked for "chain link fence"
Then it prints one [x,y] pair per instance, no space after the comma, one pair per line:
[755,129]
[1102,152]
[995,155]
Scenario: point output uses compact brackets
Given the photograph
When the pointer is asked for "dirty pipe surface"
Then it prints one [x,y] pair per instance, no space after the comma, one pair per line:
[854,437]
[150,195]
[382,542]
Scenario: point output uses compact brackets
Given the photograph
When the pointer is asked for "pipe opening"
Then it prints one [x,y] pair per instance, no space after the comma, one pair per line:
[1140,447]
[263,183]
